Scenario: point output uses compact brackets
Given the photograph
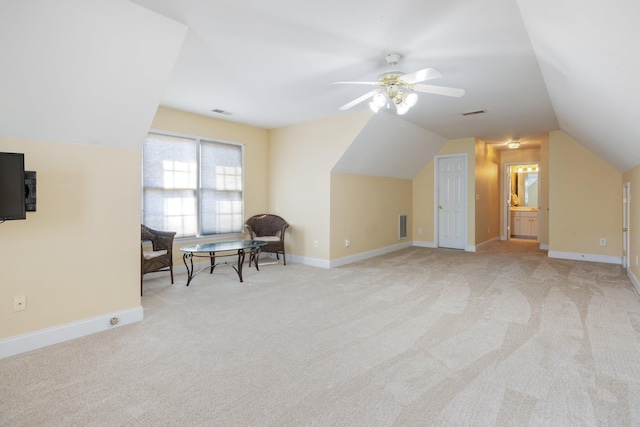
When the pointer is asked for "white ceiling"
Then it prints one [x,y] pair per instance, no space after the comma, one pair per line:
[272,63]
[533,66]
[82,72]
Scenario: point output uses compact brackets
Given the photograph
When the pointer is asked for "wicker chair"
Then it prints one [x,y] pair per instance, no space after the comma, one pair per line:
[269,228]
[161,257]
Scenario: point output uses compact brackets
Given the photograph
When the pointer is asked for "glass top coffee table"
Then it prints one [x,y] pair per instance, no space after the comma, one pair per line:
[221,249]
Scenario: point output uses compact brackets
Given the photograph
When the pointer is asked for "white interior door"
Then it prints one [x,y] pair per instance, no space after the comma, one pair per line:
[451,201]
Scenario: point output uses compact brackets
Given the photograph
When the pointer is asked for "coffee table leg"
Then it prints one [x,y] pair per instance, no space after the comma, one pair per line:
[240,262]
[256,256]
[185,257]
[212,255]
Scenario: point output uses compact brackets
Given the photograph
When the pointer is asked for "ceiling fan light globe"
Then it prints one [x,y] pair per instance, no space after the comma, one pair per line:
[411,99]
[374,107]
[379,100]
[402,108]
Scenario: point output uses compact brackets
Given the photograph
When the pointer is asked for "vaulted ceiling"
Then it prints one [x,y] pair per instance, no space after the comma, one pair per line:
[531,66]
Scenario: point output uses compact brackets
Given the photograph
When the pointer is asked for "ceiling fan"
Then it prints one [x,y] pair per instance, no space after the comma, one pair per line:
[399,89]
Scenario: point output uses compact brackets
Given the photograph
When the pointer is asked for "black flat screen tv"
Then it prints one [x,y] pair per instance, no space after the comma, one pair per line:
[12,191]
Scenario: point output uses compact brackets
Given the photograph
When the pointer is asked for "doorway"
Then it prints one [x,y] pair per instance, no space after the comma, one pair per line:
[626,191]
[522,200]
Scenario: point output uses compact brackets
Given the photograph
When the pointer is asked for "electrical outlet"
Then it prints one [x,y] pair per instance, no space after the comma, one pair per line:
[419,230]
[19,303]
[603,241]
[347,243]
[315,243]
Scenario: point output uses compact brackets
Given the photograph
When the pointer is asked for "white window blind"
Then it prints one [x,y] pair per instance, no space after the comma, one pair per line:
[192,186]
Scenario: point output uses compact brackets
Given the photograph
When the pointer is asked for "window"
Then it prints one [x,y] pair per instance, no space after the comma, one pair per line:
[192,186]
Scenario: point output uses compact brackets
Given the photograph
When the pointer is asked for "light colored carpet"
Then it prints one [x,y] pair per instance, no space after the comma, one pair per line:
[420,337]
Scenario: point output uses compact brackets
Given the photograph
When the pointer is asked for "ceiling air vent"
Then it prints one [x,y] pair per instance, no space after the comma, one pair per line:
[473,113]
[219,111]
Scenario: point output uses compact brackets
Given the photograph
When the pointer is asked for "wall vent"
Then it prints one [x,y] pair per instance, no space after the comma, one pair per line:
[472,113]
[402,226]
[219,111]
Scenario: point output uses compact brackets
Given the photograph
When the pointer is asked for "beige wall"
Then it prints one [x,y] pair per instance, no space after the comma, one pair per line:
[580,197]
[365,210]
[633,178]
[423,206]
[300,161]
[487,195]
[83,243]
[78,255]
[585,200]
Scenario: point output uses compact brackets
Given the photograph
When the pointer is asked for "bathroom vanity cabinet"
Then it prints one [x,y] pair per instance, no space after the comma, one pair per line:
[524,223]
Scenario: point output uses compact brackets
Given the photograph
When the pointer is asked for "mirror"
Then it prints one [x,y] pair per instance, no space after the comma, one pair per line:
[524,185]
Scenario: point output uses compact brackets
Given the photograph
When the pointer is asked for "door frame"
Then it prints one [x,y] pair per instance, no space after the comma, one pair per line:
[505,232]
[436,197]
[626,212]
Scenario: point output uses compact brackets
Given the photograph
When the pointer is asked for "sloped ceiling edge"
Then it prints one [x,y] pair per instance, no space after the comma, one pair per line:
[389,146]
[590,72]
[84,72]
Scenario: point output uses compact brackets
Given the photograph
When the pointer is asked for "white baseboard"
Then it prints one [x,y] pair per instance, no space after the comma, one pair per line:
[315,262]
[369,254]
[486,242]
[312,262]
[323,263]
[424,244]
[608,259]
[634,280]
[57,334]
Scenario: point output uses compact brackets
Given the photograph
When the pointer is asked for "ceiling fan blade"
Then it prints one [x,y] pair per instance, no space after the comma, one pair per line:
[358,100]
[439,90]
[357,83]
[421,76]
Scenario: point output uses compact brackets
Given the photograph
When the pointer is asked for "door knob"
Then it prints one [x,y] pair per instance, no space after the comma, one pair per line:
[624,230]
[440,207]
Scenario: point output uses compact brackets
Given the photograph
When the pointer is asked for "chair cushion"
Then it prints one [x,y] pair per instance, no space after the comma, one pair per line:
[268,238]
[153,254]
